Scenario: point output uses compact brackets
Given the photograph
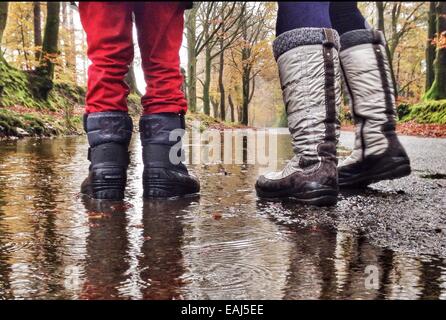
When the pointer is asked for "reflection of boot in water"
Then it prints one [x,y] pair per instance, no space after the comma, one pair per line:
[311,271]
[327,262]
[162,259]
[107,248]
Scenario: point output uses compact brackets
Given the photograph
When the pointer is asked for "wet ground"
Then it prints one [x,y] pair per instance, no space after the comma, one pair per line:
[387,242]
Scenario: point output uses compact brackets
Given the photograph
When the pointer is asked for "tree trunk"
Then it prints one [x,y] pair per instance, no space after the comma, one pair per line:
[130,79]
[191,35]
[430,47]
[84,61]
[245,95]
[207,81]
[68,41]
[392,72]
[246,72]
[184,84]
[3,18]
[231,106]
[214,104]
[220,81]
[438,89]
[24,46]
[37,16]
[64,37]
[73,52]
[239,113]
[381,26]
[51,35]
[380,15]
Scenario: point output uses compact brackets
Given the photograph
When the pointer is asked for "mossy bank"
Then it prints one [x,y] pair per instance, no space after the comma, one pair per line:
[430,111]
[27,110]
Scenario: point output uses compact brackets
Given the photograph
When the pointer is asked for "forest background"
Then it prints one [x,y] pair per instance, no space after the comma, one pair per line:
[231,77]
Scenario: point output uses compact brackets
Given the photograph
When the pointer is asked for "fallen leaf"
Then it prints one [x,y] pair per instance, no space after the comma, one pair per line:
[216,215]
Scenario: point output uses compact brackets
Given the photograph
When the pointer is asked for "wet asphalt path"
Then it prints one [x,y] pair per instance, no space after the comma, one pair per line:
[226,244]
[407,214]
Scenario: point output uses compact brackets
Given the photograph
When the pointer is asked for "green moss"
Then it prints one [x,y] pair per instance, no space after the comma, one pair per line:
[33,123]
[134,105]
[15,89]
[76,120]
[429,111]
[436,92]
[403,110]
[345,115]
[12,119]
[19,88]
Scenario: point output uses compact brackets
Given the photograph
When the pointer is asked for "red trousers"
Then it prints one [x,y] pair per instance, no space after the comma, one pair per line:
[108,26]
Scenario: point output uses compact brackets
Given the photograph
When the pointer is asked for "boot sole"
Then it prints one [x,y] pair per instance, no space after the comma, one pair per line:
[164,183]
[320,198]
[105,193]
[108,194]
[160,193]
[398,169]
[108,184]
[166,189]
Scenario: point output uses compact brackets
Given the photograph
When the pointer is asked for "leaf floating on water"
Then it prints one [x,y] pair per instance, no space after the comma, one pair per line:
[122,206]
[97,215]
[94,215]
[216,215]
[147,238]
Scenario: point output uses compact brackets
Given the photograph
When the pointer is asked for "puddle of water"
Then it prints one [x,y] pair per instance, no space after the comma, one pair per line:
[225,244]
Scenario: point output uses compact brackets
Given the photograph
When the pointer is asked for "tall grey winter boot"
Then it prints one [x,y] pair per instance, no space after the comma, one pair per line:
[378,154]
[309,73]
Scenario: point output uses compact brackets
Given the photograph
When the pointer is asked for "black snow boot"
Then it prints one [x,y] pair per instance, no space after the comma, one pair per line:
[109,135]
[165,176]
[377,154]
